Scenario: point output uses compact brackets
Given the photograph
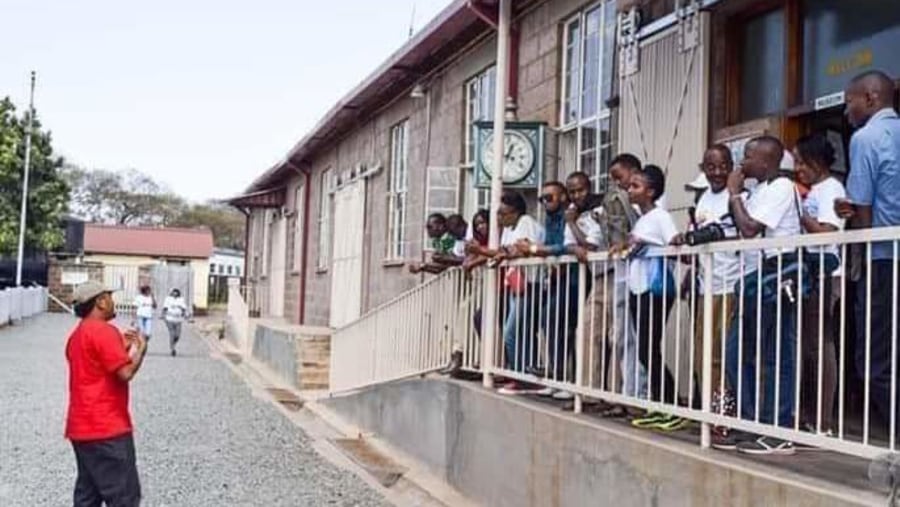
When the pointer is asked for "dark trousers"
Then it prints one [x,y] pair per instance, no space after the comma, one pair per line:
[560,320]
[649,314]
[107,473]
[883,305]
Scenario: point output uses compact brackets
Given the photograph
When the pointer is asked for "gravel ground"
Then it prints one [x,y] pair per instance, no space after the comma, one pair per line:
[202,437]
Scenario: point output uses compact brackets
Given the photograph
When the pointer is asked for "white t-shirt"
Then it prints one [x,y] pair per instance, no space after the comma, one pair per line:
[526,228]
[819,204]
[657,228]
[775,204]
[144,306]
[592,231]
[175,309]
[726,265]
[459,248]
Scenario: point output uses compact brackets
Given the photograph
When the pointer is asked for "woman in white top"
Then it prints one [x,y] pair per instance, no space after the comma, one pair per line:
[649,310]
[145,304]
[520,287]
[175,310]
[814,157]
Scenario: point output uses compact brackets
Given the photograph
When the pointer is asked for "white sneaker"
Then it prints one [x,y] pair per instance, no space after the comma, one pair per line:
[547,391]
[563,396]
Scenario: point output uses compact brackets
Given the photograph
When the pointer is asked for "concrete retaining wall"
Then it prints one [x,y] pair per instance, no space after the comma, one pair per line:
[503,452]
[299,355]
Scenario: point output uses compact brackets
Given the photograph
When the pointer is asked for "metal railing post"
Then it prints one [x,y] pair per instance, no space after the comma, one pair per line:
[579,332]
[706,395]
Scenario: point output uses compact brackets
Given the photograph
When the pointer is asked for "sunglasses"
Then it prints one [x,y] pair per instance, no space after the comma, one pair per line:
[545,198]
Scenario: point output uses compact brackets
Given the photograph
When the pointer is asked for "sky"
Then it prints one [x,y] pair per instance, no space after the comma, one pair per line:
[202,95]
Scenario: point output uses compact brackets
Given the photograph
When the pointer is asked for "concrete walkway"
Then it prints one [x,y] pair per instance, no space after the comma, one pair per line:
[202,437]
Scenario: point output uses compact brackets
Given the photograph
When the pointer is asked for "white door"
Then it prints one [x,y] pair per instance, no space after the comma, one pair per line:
[277,268]
[347,253]
[663,116]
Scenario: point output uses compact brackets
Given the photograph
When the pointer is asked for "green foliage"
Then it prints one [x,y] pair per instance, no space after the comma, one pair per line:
[48,193]
[134,198]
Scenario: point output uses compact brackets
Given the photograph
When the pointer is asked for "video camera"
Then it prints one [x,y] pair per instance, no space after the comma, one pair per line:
[715,231]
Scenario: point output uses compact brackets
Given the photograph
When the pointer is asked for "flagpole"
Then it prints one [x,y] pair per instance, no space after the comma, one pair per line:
[24,211]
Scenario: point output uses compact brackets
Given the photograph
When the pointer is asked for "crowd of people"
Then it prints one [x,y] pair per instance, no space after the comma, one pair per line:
[766,303]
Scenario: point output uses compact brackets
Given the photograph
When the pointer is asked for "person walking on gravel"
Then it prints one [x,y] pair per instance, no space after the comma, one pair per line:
[102,361]
[174,312]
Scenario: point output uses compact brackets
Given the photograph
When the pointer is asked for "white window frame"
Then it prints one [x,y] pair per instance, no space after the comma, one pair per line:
[323,221]
[479,104]
[602,115]
[299,215]
[398,190]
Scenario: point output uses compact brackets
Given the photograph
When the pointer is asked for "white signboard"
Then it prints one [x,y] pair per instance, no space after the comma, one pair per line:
[829,101]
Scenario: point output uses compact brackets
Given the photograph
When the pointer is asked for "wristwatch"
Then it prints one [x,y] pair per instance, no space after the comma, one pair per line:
[533,249]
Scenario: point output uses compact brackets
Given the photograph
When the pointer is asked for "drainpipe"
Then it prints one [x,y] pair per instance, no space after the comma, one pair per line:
[246,213]
[491,296]
[301,295]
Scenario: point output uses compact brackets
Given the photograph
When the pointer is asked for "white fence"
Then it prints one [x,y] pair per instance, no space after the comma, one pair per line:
[793,351]
[239,315]
[413,334]
[18,303]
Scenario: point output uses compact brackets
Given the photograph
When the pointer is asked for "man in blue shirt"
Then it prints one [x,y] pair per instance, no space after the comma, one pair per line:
[873,189]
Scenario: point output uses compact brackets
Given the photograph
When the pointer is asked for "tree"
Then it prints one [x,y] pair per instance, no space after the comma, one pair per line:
[226,223]
[48,192]
[122,198]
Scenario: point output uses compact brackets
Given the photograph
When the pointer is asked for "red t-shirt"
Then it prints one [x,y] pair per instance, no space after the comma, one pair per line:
[98,399]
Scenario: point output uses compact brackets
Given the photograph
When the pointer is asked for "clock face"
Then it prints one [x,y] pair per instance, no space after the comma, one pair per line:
[518,156]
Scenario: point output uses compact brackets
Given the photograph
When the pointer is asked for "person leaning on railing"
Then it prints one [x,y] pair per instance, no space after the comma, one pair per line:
[520,287]
[771,211]
[652,292]
[446,238]
[814,157]
[712,214]
[873,188]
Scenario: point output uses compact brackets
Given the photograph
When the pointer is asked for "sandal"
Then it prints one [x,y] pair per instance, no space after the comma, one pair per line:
[614,412]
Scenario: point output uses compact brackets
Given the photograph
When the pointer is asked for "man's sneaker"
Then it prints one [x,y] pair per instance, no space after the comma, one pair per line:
[670,423]
[729,440]
[563,396]
[767,446]
[649,420]
[547,391]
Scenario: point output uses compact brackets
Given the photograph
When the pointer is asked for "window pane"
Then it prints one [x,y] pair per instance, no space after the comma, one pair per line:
[762,86]
[568,153]
[607,71]
[573,66]
[591,77]
[589,149]
[843,38]
[605,153]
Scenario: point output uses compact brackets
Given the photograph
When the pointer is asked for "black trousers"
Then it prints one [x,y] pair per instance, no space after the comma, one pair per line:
[649,314]
[107,473]
[883,306]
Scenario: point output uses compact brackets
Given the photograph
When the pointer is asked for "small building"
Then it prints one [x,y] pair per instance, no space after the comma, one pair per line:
[225,264]
[123,251]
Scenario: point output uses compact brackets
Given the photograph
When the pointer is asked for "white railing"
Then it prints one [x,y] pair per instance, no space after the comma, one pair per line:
[239,315]
[413,334]
[781,355]
[785,358]
[19,303]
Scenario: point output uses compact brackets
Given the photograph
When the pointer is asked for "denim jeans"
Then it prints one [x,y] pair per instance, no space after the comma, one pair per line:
[519,328]
[748,368]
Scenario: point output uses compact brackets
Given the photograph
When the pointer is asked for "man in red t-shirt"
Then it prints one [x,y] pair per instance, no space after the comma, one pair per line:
[101,363]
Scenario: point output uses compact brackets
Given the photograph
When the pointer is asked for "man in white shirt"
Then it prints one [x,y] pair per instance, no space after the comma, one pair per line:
[772,211]
[175,311]
[712,211]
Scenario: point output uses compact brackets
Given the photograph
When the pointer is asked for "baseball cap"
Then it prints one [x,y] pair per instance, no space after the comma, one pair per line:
[699,183]
[89,290]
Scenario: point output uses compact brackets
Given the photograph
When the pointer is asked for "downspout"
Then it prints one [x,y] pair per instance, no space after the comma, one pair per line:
[301,291]
[303,262]
[246,213]
[491,296]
